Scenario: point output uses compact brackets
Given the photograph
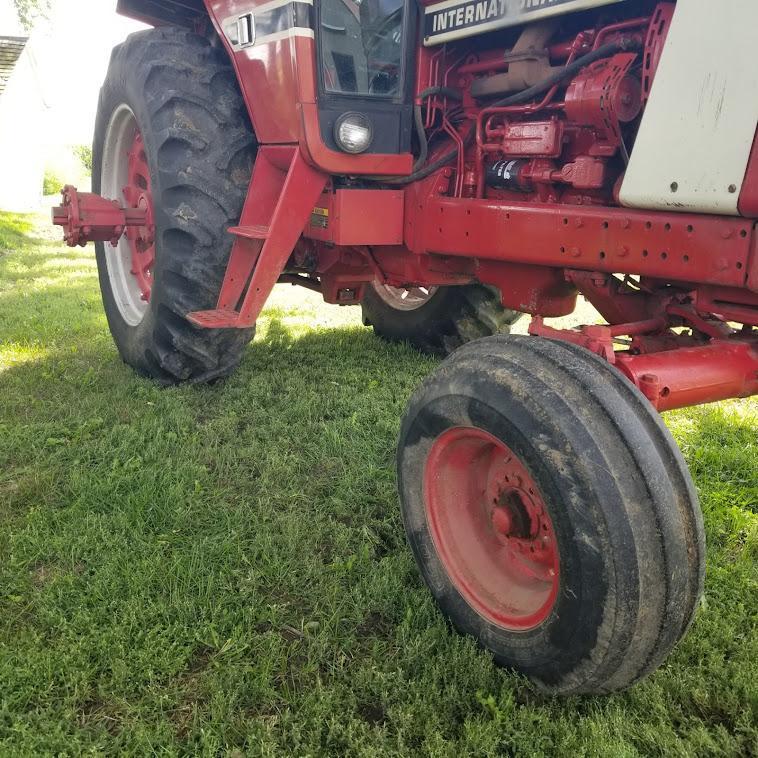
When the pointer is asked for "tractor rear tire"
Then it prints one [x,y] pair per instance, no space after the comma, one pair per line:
[551,513]
[176,98]
[439,320]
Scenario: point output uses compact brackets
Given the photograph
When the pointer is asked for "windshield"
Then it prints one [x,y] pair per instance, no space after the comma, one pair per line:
[361,46]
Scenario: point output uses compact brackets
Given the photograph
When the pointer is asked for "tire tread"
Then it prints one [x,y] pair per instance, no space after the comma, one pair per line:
[195,112]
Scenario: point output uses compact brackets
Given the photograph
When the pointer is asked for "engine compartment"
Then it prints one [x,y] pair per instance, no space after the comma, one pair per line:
[553,118]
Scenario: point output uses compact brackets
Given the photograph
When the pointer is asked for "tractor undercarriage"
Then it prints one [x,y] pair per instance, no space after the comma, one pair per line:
[679,292]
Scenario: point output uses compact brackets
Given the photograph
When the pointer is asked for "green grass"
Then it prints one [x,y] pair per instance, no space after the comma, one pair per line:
[222,570]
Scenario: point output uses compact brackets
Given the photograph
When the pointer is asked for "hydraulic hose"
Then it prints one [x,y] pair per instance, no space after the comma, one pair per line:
[422,173]
[453,94]
[423,152]
[418,118]
[604,51]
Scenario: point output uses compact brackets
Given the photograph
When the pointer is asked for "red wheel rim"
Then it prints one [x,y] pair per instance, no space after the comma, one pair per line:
[138,194]
[491,528]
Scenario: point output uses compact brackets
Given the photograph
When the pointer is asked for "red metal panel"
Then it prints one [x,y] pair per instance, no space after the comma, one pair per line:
[269,75]
[752,269]
[358,217]
[669,246]
[657,34]
[400,267]
[530,289]
[376,214]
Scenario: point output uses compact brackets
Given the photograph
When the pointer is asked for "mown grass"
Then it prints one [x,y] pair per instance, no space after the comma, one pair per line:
[222,570]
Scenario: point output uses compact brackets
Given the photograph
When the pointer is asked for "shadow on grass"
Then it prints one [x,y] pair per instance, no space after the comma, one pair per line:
[718,440]
[284,374]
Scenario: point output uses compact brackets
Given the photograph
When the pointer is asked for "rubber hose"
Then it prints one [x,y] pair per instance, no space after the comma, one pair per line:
[423,152]
[453,94]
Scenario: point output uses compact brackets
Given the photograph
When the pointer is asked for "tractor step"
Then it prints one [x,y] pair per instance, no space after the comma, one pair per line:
[253,232]
[282,193]
[220,318]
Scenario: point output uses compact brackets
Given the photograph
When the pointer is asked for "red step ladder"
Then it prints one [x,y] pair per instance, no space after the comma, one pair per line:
[283,191]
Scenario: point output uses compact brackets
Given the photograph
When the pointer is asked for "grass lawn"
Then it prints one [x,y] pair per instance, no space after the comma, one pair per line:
[222,570]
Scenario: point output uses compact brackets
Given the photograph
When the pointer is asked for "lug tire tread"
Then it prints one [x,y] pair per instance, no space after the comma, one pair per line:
[190,111]
[452,317]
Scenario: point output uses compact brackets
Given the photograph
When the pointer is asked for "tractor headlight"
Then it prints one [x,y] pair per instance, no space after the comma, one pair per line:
[353,132]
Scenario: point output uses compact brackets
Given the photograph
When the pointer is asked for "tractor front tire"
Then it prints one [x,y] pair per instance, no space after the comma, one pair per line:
[551,513]
[173,136]
[437,320]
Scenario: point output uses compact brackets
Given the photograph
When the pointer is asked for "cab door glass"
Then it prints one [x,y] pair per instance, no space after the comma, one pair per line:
[362,46]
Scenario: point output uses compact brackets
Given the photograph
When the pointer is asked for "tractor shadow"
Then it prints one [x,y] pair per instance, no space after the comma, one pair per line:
[66,359]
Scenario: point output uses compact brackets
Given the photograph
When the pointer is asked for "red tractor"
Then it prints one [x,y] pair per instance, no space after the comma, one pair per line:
[448,166]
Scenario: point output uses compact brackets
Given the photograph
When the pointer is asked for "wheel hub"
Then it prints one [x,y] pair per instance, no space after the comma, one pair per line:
[138,194]
[491,528]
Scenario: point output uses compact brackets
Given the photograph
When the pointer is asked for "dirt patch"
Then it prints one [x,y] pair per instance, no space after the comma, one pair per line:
[376,624]
[44,573]
[193,696]
[372,713]
[200,659]
[101,713]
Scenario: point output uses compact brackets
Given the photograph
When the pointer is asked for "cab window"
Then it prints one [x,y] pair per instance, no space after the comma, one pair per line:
[362,46]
